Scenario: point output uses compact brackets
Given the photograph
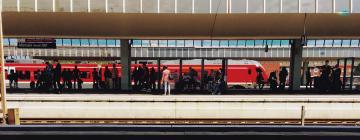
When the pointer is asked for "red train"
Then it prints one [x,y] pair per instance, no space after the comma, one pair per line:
[241,72]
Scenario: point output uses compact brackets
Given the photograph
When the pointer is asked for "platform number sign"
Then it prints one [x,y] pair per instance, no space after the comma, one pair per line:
[38,43]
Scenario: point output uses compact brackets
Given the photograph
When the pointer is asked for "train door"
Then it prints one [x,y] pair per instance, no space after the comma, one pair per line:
[7,73]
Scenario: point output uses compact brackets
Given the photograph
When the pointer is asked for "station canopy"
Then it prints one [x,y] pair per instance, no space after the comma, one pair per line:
[180,26]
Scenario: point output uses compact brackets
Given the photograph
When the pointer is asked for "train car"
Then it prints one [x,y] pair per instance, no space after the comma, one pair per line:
[240,72]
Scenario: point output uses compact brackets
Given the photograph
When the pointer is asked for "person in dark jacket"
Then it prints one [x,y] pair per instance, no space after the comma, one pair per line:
[95,77]
[152,78]
[107,76]
[282,78]
[57,77]
[76,75]
[273,80]
[335,76]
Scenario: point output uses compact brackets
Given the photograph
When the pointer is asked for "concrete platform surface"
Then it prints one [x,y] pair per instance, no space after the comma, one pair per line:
[181,98]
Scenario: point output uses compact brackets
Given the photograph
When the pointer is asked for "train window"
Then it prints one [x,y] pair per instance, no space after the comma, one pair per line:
[206,43]
[75,42]
[189,43]
[215,43]
[232,43]
[162,43]
[337,43]
[102,43]
[328,43]
[136,43]
[319,43]
[13,41]
[197,43]
[241,43]
[250,43]
[354,43]
[249,71]
[83,74]
[171,43]
[66,42]
[346,43]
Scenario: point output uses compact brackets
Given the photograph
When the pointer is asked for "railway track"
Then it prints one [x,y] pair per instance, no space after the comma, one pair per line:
[187,122]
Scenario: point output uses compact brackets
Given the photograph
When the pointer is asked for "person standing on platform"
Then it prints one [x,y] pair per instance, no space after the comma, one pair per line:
[11,78]
[95,77]
[336,82]
[146,77]
[282,78]
[48,76]
[134,76]
[309,79]
[64,78]
[57,77]
[68,78]
[140,75]
[76,76]
[325,73]
[166,80]
[152,78]
[107,76]
[114,76]
[273,80]
[259,79]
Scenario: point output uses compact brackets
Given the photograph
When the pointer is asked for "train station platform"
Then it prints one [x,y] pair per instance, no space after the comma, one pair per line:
[150,109]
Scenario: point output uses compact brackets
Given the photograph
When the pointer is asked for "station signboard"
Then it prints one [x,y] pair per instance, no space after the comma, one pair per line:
[38,43]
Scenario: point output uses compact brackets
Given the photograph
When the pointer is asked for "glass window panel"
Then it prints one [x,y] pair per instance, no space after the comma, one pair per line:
[328,43]
[150,6]
[311,43]
[132,6]
[285,43]
[356,6]
[189,43]
[354,43]
[276,43]
[232,43]
[84,42]
[93,43]
[215,43]
[325,6]
[27,5]
[6,42]
[259,42]
[102,42]
[184,6]
[163,43]
[110,42]
[167,6]
[136,43]
[250,43]
[337,43]
[180,43]
[58,42]
[75,42]
[145,43]
[171,43]
[308,6]
[202,6]
[197,43]
[290,6]
[218,6]
[9,5]
[273,6]
[238,6]
[154,43]
[342,5]
[115,6]
[66,42]
[346,43]
[206,43]
[97,6]
[224,43]
[13,41]
[80,5]
[320,43]
[45,5]
[117,43]
[62,5]
[256,6]
[241,43]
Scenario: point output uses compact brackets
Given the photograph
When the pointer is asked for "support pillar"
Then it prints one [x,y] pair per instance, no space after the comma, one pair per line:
[125,65]
[304,71]
[159,74]
[2,75]
[352,73]
[344,74]
[224,68]
[295,65]
[180,69]
[202,74]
